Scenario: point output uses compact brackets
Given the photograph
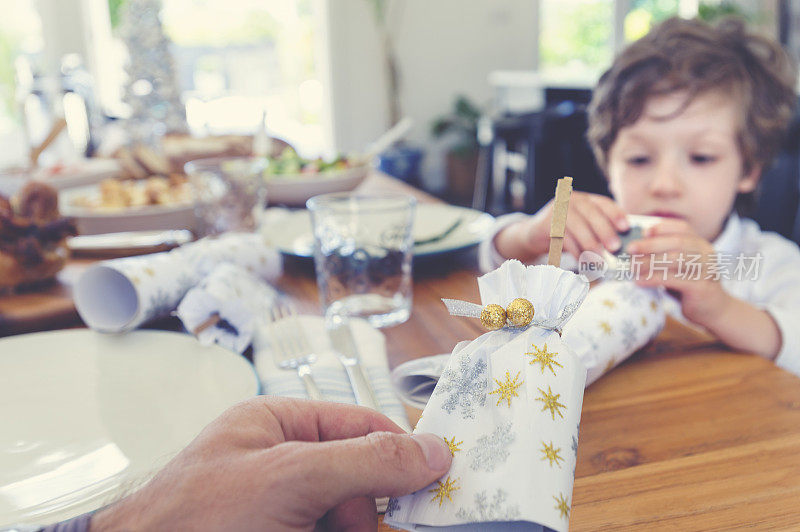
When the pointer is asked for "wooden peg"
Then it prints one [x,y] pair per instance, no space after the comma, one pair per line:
[558,225]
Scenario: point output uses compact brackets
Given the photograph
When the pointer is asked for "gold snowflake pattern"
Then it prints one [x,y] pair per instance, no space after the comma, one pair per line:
[453,445]
[562,505]
[606,327]
[507,389]
[444,489]
[609,303]
[551,452]
[551,403]
[545,358]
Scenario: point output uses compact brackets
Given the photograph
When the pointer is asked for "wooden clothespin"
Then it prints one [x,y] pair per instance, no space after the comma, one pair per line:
[558,225]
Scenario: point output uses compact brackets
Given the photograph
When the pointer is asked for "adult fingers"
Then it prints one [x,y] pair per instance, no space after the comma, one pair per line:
[323,421]
[356,514]
[377,465]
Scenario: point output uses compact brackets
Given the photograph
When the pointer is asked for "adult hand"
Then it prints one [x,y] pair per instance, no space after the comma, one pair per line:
[674,256]
[283,464]
[593,222]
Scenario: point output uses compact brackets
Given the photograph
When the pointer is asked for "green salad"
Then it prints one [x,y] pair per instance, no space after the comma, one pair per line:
[289,162]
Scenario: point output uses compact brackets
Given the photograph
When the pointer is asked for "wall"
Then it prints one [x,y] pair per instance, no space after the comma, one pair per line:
[444,47]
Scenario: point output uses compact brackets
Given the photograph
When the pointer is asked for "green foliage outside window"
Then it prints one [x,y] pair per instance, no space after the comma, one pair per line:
[575,35]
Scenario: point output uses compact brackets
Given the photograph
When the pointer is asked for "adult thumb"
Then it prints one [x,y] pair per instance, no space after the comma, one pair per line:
[379,464]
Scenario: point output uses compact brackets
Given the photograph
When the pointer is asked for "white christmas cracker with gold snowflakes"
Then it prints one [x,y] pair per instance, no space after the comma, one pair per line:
[508,403]
[617,319]
[120,294]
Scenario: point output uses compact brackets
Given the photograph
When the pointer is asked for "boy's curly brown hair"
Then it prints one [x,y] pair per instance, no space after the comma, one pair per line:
[692,56]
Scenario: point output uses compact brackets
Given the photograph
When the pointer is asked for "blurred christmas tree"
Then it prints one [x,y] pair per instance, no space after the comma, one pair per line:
[151,91]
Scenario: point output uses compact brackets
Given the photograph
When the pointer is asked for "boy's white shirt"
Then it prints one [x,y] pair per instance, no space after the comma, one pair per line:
[775,289]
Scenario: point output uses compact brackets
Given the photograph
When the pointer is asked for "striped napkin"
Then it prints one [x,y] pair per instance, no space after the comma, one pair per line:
[328,372]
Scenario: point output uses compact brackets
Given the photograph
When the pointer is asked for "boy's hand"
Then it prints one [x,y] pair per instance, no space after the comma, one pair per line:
[592,224]
[674,256]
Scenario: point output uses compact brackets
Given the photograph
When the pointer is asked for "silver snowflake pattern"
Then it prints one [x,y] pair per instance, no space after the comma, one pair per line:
[575,449]
[590,340]
[392,507]
[492,449]
[465,386]
[161,302]
[628,334]
[631,293]
[184,282]
[485,510]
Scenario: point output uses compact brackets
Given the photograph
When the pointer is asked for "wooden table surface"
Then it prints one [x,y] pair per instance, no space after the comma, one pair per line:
[685,435]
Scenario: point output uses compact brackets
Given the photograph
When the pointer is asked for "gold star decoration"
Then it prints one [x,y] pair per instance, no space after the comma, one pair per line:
[444,489]
[551,453]
[134,279]
[507,389]
[453,445]
[150,271]
[551,403]
[653,306]
[606,327]
[609,303]
[544,358]
[610,364]
[644,321]
[562,505]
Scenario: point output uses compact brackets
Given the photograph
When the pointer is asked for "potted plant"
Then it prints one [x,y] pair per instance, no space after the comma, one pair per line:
[461,125]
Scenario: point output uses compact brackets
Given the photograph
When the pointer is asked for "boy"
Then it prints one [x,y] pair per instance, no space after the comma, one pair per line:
[682,124]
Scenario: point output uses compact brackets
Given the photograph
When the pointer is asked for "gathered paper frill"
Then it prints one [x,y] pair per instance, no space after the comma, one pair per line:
[508,403]
[225,306]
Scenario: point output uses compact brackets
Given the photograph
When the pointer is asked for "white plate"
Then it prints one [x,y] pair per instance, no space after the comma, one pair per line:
[86,416]
[295,189]
[145,218]
[292,234]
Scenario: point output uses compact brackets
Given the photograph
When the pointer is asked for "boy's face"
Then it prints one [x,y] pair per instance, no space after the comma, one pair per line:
[687,166]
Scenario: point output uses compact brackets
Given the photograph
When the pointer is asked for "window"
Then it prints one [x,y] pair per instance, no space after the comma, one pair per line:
[20,34]
[236,59]
[577,38]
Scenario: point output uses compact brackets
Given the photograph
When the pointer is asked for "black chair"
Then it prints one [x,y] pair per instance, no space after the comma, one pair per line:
[523,156]
[777,206]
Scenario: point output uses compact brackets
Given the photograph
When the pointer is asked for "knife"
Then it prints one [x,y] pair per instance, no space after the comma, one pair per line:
[129,241]
[344,345]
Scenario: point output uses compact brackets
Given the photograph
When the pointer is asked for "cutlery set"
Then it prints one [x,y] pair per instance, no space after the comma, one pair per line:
[292,351]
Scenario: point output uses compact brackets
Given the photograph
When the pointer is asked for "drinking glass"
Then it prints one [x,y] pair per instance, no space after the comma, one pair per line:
[363,248]
[229,192]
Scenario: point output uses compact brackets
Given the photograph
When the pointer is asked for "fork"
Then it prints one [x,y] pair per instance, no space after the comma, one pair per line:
[291,349]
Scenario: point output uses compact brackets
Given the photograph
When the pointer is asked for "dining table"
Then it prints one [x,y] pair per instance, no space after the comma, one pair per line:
[686,434]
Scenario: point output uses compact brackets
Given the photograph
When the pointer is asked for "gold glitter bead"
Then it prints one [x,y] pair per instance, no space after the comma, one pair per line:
[520,312]
[493,317]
